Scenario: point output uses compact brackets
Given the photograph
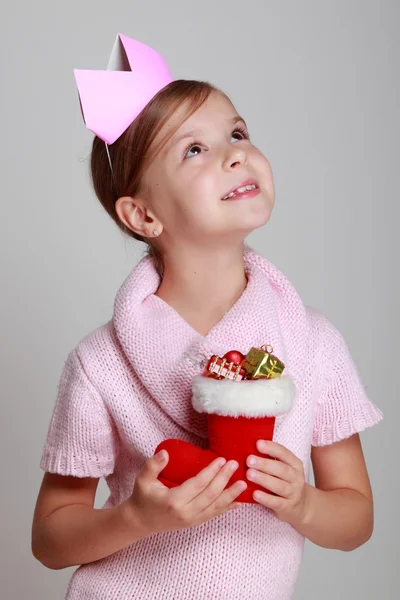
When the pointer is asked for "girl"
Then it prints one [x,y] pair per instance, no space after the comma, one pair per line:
[185,178]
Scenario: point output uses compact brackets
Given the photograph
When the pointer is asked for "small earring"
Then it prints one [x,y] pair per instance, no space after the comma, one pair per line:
[155,233]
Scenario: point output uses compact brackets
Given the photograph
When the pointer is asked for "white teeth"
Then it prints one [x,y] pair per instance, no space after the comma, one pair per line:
[240,190]
[229,196]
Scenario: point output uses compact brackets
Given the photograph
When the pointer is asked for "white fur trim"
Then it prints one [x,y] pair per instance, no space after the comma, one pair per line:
[249,398]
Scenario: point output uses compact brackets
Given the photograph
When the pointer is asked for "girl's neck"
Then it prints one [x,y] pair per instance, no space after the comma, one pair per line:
[203,285]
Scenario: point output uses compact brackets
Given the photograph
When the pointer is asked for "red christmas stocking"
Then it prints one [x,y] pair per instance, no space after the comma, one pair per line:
[239,413]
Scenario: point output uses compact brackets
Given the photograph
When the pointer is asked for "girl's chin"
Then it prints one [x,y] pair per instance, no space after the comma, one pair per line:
[255,218]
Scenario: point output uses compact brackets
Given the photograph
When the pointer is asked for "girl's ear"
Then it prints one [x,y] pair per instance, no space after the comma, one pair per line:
[135,215]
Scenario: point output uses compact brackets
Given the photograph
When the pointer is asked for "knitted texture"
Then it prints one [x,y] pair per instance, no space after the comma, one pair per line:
[127,386]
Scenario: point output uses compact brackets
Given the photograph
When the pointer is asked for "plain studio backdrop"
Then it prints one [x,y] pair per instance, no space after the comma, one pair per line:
[318,83]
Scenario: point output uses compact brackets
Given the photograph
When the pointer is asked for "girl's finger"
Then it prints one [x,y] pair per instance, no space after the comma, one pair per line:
[224,502]
[268,500]
[212,493]
[193,486]
[269,482]
[276,450]
[272,467]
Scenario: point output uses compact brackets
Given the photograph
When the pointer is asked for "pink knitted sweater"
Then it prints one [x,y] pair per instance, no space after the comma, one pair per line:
[127,386]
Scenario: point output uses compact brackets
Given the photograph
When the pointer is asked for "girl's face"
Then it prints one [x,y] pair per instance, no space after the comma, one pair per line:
[208,156]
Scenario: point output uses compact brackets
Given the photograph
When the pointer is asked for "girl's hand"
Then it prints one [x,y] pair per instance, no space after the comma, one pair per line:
[284,477]
[156,508]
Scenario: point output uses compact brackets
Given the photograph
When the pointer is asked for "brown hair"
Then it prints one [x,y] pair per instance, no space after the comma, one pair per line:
[135,149]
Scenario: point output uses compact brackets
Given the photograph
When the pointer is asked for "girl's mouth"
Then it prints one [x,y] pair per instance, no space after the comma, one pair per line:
[246,191]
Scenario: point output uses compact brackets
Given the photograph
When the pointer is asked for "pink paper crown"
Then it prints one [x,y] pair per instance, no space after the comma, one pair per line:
[112,99]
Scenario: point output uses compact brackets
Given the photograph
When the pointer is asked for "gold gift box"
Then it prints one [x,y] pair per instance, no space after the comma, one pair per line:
[259,362]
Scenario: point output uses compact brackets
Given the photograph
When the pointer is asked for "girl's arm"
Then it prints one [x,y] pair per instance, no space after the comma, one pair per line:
[68,531]
[339,511]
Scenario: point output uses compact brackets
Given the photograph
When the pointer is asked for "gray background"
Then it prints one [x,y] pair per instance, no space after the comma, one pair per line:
[318,83]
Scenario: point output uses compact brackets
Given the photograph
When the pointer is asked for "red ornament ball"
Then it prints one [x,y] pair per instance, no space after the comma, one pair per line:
[234,356]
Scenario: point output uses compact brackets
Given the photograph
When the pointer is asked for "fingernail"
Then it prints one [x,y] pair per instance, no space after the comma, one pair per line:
[242,486]
[161,455]
[221,462]
[252,461]
[234,465]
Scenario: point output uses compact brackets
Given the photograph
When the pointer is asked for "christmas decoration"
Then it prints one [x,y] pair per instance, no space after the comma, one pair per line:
[241,396]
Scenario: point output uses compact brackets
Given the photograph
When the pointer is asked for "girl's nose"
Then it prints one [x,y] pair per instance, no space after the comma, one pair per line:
[235,157]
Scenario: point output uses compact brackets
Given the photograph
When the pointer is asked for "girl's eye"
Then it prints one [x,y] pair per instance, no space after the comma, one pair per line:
[243,133]
[195,146]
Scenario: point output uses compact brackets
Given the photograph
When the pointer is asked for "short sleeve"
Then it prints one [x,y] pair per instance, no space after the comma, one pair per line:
[343,407]
[81,438]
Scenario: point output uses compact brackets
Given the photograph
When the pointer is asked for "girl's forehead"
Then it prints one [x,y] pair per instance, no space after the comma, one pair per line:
[216,111]
[215,107]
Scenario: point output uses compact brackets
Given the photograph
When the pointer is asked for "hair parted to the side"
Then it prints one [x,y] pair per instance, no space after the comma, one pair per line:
[135,149]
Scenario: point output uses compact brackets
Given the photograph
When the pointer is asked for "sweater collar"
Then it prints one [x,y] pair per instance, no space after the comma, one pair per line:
[166,352]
